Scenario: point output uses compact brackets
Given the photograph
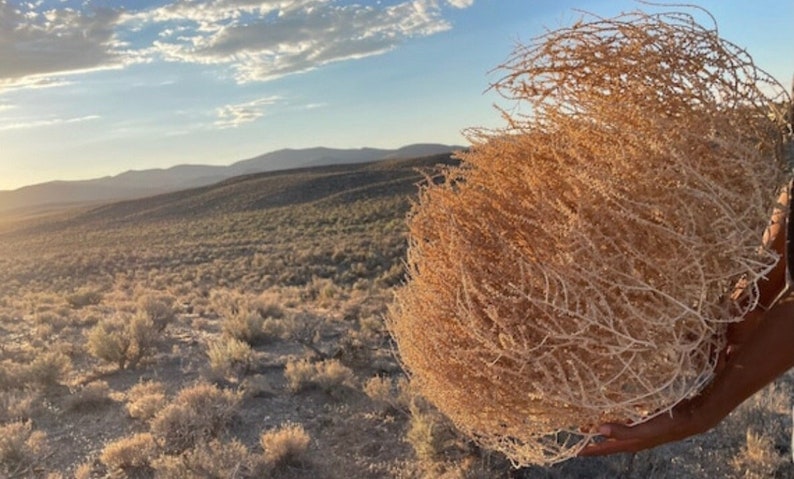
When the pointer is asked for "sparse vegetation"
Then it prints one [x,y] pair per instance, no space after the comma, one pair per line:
[229,358]
[285,446]
[21,448]
[329,375]
[318,269]
[197,414]
[123,340]
[145,399]
[129,454]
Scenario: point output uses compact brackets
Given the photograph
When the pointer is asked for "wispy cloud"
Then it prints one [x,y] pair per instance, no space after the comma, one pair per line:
[37,43]
[232,116]
[25,124]
[257,40]
[265,40]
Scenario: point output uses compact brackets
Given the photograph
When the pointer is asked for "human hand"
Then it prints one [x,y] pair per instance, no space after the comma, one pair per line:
[687,419]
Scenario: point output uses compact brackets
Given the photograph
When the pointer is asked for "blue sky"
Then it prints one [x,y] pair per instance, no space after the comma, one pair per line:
[90,88]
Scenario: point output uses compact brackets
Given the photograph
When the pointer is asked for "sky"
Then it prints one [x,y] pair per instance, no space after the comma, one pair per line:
[90,88]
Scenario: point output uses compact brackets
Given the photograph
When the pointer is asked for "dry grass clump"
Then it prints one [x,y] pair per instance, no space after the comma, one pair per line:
[159,308]
[577,268]
[329,375]
[90,398]
[197,414]
[129,454]
[758,458]
[21,448]
[286,445]
[123,340]
[84,297]
[390,395]
[214,459]
[48,369]
[145,399]
[17,404]
[229,358]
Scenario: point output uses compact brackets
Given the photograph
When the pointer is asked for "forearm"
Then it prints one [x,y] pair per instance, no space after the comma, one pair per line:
[767,354]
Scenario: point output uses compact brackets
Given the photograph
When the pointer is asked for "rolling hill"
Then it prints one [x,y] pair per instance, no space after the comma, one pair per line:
[137,184]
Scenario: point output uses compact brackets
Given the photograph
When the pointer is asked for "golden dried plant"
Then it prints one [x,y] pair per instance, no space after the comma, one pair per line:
[578,266]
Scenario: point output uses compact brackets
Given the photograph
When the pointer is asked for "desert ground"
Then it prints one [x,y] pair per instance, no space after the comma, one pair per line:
[237,330]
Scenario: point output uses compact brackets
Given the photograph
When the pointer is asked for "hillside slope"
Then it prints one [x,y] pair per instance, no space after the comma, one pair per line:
[137,184]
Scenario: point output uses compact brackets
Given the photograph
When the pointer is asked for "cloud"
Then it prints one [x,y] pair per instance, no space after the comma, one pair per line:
[37,43]
[232,116]
[262,40]
[256,40]
[19,125]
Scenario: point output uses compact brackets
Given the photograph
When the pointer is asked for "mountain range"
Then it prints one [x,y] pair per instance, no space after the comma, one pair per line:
[142,183]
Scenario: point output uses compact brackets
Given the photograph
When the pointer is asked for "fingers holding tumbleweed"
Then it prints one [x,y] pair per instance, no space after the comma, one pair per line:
[573,270]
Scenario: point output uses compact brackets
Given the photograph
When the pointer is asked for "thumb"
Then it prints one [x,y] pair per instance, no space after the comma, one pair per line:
[615,431]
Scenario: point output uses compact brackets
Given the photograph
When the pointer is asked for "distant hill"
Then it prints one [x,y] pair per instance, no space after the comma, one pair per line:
[139,184]
[331,185]
[338,184]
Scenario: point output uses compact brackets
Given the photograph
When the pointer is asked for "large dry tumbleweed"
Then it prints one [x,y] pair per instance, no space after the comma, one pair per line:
[578,267]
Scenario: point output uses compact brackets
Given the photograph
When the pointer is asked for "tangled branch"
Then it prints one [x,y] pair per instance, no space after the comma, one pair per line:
[577,268]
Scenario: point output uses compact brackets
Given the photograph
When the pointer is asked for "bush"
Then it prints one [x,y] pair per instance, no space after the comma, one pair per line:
[12,375]
[129,454]
[330,375]
[388,395]
[229,358]
[159,308]
[90,397]
[299,374]
[48,369]
[429,434]
[21,447]
[208,460]
[17,404]
[197,414]
[144,400]
[758,458]
[84,297]
[123,340]
[285,446]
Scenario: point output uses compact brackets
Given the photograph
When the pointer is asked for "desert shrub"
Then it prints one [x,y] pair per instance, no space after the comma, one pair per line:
[145,399]
[159,308]
[17,404]
[229,358]
[123,340]
[21,447]
[55,321]
[89,398]
[84,297]
[211,460]
[268,308]
[286,445]
[129,454]
[48,369]
[12,374]
[329,375]
[273,328]
[574,269]
[198,413]
[244,325]
[299,374]
[251,320]
[387,394]
[429,434]
[84,470]
[758,458]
